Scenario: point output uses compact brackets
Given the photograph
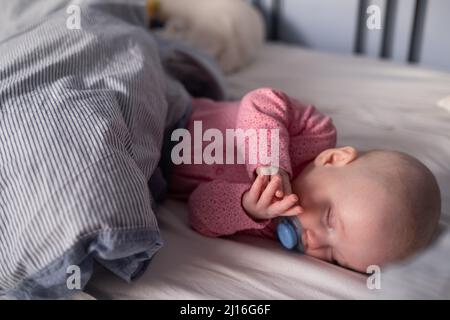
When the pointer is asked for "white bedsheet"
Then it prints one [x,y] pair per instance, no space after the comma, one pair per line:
[373,104]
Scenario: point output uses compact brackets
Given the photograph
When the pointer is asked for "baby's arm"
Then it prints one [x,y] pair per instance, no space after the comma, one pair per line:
[221,208]
[216,209]
[312,131]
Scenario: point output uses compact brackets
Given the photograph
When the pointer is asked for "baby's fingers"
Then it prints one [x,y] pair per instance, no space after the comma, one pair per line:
[280,193]
[269,192]
[287,205]
[257,188]
[294,211]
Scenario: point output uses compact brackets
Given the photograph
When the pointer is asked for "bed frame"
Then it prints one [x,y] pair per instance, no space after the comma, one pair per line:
[401,37]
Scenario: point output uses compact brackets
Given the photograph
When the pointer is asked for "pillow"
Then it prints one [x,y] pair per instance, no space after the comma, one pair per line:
[82,117]
[424,276]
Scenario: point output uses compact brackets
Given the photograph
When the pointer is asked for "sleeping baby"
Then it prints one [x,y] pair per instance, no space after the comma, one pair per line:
[347,207]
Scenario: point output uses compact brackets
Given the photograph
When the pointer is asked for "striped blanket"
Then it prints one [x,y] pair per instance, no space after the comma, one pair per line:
[83,111]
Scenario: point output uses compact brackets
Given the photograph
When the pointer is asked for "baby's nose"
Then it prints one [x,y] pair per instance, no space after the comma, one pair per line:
[314,233]
[313,240]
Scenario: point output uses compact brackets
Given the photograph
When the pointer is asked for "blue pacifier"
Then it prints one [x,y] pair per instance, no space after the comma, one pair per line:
[289,231]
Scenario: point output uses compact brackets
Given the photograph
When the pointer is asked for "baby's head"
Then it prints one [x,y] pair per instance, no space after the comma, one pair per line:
[369,208]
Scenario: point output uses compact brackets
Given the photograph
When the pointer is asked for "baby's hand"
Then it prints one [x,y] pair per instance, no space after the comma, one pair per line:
[263,201]
[285,188]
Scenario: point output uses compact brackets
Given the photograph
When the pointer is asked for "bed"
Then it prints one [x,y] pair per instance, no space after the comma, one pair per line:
[374,104]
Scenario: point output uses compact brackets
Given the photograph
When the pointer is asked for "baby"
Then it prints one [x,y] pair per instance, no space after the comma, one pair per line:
[356,209]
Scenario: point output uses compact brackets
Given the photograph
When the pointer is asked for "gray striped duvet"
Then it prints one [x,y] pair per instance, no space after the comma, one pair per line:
[82,118]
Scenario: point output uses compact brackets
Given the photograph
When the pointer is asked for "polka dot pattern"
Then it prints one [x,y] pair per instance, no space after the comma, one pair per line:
[215,191]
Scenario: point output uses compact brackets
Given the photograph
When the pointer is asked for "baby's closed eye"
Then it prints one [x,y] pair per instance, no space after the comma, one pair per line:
[330,218]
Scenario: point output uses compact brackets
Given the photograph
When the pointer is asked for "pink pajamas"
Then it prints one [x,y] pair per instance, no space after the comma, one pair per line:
[214,191]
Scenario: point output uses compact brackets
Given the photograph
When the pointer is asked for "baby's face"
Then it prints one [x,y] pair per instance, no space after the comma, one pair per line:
[346,216]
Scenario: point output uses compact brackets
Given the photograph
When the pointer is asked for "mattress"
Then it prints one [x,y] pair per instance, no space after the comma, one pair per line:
[374,104]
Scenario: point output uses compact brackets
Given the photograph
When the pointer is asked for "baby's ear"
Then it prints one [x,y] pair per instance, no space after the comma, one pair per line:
[338,157]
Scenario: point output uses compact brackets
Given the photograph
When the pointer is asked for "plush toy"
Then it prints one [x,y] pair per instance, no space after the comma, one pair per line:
[231,31]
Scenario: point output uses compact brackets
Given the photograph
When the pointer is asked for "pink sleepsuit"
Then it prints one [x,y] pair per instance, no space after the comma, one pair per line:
[214,191]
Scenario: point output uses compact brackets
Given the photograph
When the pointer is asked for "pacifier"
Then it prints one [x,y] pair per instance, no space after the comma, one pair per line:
[289,231]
